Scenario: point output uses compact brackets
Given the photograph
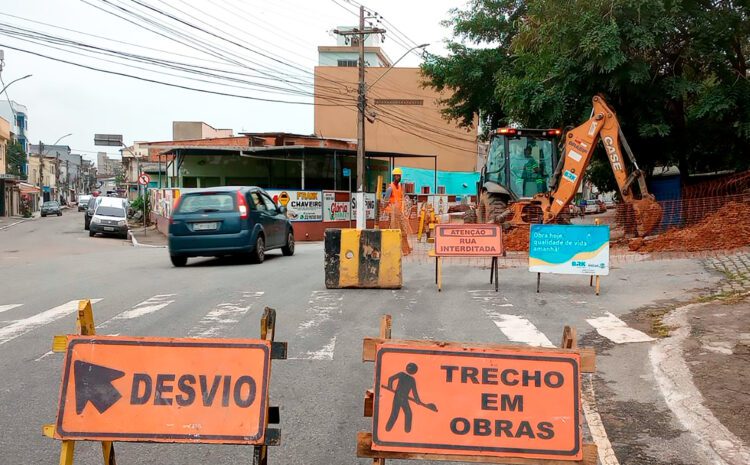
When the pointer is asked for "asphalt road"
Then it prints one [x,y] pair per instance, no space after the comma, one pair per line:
[47,263]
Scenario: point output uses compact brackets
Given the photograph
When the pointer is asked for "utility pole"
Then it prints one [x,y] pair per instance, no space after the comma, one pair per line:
[362,32]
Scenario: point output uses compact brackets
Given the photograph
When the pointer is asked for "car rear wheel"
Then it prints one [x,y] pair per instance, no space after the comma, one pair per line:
[259,253]
[59,214]
[44,215]
[288,249]
[91,233]
[178,260]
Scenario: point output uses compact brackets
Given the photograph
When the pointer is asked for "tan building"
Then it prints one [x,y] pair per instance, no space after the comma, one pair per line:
[405,117]
[187,130]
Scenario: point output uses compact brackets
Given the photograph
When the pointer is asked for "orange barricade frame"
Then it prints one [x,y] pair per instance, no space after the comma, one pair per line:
[269,415]
[371,350]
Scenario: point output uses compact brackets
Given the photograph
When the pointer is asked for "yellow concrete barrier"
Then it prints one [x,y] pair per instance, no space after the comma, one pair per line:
[367,258]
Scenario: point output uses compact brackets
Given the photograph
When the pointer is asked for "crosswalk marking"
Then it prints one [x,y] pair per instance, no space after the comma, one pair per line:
[21,327]
[224,315]
[151,305]
[518,329]
[5,308]
[617,330]
[515,328]
[323,305]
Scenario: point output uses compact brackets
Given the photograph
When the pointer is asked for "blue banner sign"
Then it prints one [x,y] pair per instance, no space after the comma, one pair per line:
[569,249]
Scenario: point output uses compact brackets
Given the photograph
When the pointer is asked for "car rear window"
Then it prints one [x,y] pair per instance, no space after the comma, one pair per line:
[206,203]
[111,211]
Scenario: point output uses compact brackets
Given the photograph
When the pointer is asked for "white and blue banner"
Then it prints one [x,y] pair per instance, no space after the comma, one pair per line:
[569,249]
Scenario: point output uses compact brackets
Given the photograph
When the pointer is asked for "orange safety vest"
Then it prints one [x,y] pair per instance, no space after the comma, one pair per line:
[397,195]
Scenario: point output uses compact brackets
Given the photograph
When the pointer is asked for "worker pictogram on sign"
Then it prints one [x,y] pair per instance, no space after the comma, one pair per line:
[164,390]
[511,404]
[144,179]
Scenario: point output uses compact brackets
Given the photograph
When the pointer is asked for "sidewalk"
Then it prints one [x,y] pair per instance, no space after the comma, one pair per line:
[151,238]
[9,221]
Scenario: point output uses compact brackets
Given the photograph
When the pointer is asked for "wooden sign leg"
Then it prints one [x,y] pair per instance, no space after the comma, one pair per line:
[538,281]
[597,285]
[86,327]
[440,273]
[497,274]
[386,325]
[267,332]
[67,451]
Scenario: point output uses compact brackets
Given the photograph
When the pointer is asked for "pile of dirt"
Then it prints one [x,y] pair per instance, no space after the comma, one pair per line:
[727,228]
[517,240]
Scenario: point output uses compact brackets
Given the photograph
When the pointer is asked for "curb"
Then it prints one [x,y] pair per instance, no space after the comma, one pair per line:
[138,244]
[22,220]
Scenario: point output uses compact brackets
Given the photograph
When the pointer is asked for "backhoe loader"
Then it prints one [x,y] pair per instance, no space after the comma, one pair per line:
[517,186]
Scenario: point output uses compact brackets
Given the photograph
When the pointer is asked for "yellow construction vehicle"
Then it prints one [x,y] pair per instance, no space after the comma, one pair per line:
[518,187]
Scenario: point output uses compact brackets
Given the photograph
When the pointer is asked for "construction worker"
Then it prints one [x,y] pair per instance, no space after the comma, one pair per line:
[394,199]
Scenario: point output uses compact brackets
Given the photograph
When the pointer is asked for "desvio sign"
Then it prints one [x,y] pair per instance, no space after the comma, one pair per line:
[483,401]
[468,240]
[164,390]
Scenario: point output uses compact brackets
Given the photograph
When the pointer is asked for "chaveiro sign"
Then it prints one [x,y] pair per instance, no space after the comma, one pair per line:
[164,390]
[481,401]
[300,205]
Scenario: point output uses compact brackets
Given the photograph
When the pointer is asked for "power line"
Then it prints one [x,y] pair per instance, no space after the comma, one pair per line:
[154,81]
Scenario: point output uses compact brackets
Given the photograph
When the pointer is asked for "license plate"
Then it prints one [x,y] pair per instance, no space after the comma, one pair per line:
[205,226]
[109,228]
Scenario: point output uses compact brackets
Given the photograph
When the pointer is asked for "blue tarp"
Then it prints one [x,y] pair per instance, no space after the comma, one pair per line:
[455,182]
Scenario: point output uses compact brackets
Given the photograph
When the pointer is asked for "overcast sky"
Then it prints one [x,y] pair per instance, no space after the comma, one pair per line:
[62,98]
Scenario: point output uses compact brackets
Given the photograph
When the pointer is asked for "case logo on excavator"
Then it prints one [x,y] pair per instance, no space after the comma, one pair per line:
[609,144]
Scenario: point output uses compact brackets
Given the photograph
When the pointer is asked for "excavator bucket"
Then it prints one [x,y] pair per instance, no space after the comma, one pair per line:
[648,215]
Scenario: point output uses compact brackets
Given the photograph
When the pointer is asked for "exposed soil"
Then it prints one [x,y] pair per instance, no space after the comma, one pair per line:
[517,240]
[728,228]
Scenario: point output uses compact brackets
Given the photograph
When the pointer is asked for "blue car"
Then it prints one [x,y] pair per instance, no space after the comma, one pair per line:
[218,221]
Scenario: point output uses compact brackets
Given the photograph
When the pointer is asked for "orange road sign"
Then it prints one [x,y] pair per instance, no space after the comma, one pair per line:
[284,198]
[164,390]
[503,402]
[468,240]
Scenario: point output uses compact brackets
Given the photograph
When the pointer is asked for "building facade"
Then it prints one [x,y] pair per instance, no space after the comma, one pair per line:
[187,130]
[403,116]
[17,115]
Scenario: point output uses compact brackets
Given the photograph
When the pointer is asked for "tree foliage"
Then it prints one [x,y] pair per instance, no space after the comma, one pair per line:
[675,72]
[15,159]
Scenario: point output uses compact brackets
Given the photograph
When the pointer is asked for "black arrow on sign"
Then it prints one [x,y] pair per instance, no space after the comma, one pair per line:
[94,384]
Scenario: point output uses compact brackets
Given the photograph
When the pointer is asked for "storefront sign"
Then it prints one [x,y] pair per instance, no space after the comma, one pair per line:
[336,206]
[569,249]
[300,205]
[369,201]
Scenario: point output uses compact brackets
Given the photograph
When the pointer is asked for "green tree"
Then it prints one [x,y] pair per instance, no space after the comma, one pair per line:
[15,159]
[675,71]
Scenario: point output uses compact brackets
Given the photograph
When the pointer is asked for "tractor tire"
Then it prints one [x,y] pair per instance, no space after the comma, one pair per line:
[491,208]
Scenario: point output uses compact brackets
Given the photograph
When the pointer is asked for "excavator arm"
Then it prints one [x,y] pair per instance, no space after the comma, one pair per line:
[579,146]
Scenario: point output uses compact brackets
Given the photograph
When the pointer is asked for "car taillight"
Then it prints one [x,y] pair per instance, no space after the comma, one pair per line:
[506,131]
[174,209]
[242,205]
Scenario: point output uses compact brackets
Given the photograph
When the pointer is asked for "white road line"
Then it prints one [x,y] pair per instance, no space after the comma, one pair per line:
[616,330]
[43,356]
[519,329]
[675,382]
[5,308]
[514,327]
[323,305]
[596,426]
[148,306]
[21,327]
[225,314]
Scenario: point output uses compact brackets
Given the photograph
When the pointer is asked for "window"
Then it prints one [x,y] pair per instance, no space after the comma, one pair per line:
[110,211]
[270,205]
[441,190]
[206,203]
[258,202]
[425,190]
[347,63]
[408,187]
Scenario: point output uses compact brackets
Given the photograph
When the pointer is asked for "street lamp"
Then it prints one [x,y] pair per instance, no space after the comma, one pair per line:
[15,80]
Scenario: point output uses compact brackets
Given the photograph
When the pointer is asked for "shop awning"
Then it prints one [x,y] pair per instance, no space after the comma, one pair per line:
[27,188]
